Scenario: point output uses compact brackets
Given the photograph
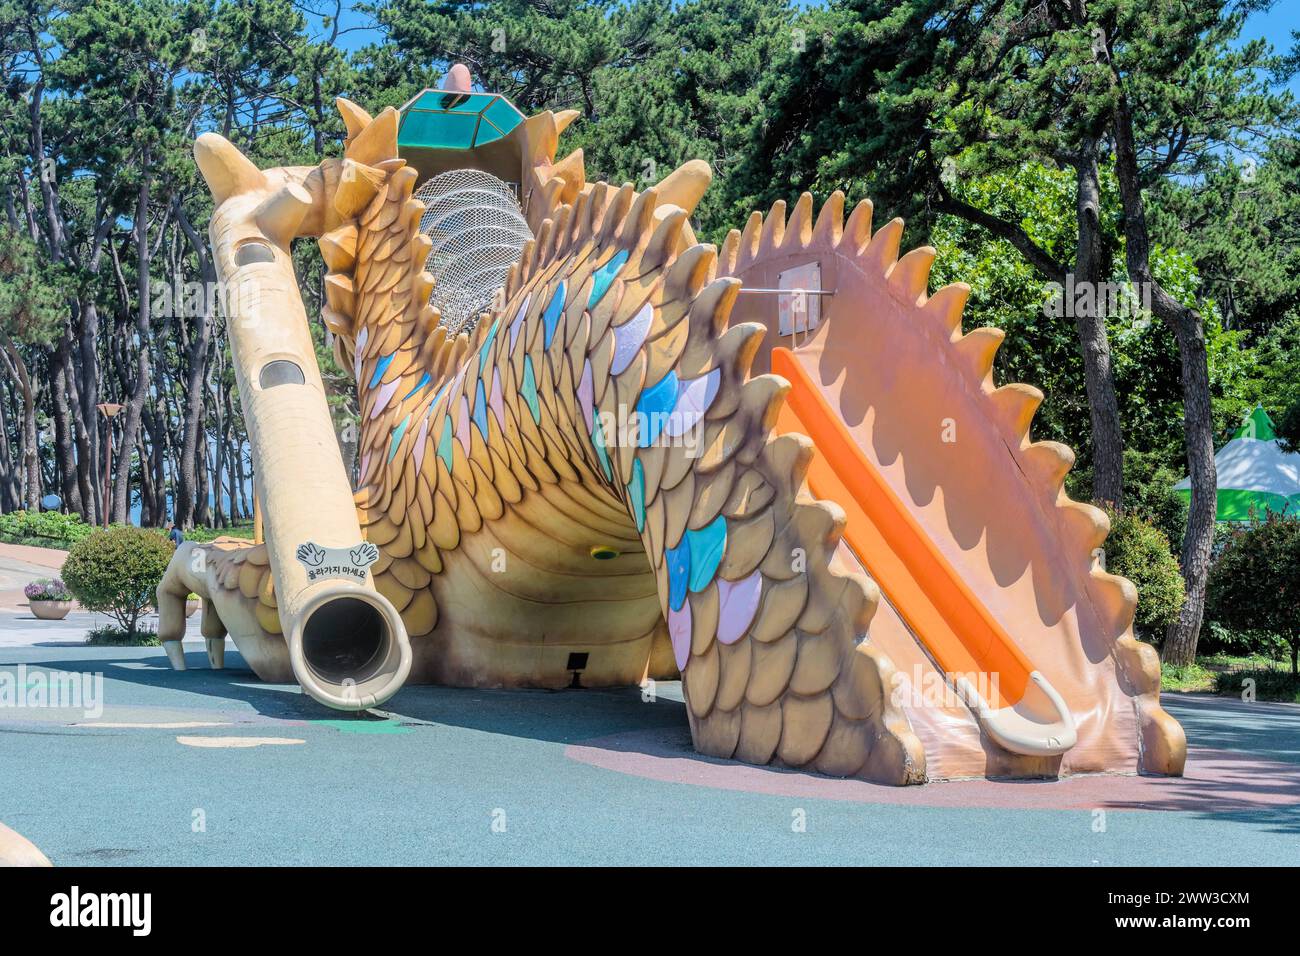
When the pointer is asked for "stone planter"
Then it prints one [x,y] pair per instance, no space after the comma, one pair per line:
[192,606]
[50,610]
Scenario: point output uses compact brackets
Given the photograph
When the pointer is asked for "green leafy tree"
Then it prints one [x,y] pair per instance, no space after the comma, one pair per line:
[1255,583]
[33,303]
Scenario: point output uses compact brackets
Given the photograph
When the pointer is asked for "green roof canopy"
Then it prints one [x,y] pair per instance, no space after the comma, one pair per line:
[445,119]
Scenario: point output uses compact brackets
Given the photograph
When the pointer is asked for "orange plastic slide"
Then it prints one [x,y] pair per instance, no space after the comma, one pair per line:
[1015,704]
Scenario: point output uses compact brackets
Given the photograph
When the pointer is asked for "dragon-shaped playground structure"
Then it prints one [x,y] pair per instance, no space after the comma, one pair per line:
[842,539]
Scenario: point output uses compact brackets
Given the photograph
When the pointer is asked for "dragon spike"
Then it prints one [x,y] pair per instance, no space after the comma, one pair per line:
[358,185]
[799,228]
[883,248]
[688,274]
[563,234]
[544,240]
[338,248]
[281,213]
[596,208]
[830,220]
[663,241]
[1084,523]
[542,139]
[750,238]
[774,226]
[910,276]
[686,184]
[1015,405]
[422,287]
[527,259]
[354,118]
[616,213]
[574,174]
[730,247]
[858,229]
[341,294]
[337,323]
[1115,599]
[228,172]
[377,142]
[1049,462]
[639,218]
[977,349]
[563,118]
[946,306]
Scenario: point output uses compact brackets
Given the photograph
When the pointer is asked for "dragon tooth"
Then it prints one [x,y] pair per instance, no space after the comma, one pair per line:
[830,220]
[377,142]
[563,118]
[1049,462]
[977,349]
[883,248]
[686,185]
[800,229]
[338,248]
[910,276]
[354,118]
[730,248]
[857,231]
[1015,404]
[946,306]
[774,227]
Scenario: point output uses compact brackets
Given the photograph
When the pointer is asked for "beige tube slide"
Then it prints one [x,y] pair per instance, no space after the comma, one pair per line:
[347,645]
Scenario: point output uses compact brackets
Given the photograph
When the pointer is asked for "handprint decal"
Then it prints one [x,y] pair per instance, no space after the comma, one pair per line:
[312,555]
[364,554]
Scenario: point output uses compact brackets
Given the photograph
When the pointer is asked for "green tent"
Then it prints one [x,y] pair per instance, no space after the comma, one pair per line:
[1254,472]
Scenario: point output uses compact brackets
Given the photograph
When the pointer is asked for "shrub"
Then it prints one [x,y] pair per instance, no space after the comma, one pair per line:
[116,570]
[116,637]
[203,535]
[47,589]
[1255,583]
[1267,683]
[50,529]
[1139,551]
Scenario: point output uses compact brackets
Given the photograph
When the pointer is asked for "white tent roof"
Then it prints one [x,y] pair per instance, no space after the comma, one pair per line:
[1254,471]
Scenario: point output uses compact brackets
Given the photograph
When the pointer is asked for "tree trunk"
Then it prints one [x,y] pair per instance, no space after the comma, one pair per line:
[1198,422]
[29,444]
[1103,406]
[196,358]
[66,458]
[140,387]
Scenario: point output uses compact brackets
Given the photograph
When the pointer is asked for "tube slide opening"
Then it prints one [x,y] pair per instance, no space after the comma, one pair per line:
[353,652]
[344,640]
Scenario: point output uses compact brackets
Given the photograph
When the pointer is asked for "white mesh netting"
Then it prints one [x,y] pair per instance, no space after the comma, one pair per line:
[478,232]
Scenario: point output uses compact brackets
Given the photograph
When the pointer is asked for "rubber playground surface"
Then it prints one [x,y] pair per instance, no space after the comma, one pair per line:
[217,768]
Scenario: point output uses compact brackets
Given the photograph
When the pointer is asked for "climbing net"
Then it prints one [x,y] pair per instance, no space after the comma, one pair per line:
[478,232]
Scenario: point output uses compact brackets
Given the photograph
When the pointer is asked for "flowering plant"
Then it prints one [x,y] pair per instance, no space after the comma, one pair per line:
[47,589]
